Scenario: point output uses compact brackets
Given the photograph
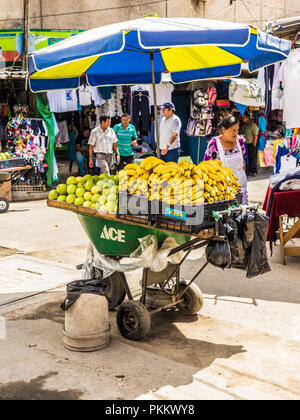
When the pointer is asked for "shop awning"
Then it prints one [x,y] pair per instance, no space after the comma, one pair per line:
[188,48]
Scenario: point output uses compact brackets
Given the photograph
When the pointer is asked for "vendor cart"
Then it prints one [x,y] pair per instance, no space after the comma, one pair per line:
[7,175]
[160,291]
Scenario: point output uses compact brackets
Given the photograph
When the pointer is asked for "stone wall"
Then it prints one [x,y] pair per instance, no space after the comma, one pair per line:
[85,14]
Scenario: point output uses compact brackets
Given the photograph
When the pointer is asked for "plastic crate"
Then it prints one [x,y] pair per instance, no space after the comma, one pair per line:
[12,163]
[188,218]
[24,187]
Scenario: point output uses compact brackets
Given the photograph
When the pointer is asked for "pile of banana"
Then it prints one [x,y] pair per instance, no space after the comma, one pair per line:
[183,183]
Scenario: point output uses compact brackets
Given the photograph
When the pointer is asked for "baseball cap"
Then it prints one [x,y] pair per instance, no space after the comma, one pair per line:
[168,105]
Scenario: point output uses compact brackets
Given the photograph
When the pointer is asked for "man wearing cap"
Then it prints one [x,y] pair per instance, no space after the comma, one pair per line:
[170,133]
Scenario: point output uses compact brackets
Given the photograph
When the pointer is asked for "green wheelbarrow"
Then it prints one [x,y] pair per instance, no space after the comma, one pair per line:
[165,290]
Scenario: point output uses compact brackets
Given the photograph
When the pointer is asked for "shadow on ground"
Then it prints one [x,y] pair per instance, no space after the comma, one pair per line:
[33,390]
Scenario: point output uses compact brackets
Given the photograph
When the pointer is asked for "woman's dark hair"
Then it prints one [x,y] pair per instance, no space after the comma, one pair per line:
[228,122]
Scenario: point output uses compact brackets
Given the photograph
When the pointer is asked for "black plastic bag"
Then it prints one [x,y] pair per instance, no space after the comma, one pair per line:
[218,254]
[235,243]
[80,287]
[258,258]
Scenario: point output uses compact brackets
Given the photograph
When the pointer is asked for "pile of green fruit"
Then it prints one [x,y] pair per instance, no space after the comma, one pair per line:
[96,192]
[5,156]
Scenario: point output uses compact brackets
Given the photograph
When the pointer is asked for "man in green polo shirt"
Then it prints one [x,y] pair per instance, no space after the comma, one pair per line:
[127,137]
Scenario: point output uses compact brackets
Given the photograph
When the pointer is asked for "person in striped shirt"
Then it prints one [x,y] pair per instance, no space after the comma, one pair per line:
[127,138]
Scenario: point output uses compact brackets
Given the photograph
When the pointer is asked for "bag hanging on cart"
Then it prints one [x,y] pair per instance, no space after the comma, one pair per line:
[218,252]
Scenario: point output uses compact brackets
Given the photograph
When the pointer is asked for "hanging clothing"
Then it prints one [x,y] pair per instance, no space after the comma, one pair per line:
[62,100]
[262,127]
[63,136]
[85,95]
[289,75]
[141,110]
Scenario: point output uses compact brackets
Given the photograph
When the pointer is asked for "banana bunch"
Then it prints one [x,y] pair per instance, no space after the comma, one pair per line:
[183,183]
[221,183]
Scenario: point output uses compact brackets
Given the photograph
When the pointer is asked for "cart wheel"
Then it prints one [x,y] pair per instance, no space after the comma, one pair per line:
[193,300]
[133,320]
[114,290]
[4,205]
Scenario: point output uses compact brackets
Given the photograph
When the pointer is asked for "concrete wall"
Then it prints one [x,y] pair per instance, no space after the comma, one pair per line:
[85,14]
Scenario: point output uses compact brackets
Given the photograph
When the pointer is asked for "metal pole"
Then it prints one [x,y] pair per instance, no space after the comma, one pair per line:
[155,105]
[166,8]
[26,34]
[41,13]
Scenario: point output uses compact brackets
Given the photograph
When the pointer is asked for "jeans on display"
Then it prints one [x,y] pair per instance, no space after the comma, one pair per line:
[171,156]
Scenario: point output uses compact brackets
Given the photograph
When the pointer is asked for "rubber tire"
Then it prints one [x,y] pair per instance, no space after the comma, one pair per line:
[4,205]
[193,300]
[139,315]
[115,293]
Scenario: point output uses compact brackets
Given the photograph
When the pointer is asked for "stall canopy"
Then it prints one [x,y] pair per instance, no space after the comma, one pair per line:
[189,48]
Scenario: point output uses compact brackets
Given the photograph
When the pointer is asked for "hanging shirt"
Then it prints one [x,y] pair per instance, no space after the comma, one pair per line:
[289,75]
[125,137]
[62,100]
[85,95]
[103,141]
[163,92]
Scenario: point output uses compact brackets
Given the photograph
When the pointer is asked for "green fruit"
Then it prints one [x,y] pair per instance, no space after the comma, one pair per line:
[110,206]
[94,206]
[89,185]
[88,196]
[53,195]
[113,189]
[71,180]
[94,190]
[100,186]
[105,192]
[104,176]
[95,198]
[79,201]
[102,208]
[96,178]
[71,189]
[87,204]
[80,179]
[80,185]
[112,198]
[71,198]
[80,192]
[87,177]
[102,200]
[62,198]
[62,189]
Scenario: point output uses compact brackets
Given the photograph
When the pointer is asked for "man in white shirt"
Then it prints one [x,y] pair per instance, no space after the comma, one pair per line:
[103,141]
[170,133]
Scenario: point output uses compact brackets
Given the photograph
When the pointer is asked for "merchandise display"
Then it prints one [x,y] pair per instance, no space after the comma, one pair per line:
[183,183]
[95,192]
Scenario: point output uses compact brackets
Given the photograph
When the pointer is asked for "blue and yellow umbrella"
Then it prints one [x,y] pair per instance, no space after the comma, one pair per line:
[139,51]
[189,49]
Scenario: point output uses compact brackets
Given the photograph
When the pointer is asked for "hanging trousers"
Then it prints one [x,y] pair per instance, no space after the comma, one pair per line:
[140,109]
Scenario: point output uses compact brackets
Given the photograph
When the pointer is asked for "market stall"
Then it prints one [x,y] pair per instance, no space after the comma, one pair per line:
[183,198]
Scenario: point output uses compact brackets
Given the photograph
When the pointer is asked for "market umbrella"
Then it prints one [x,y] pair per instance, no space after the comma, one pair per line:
[139,51]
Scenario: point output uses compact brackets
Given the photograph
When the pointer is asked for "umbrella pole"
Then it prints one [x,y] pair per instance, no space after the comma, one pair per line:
[155,106]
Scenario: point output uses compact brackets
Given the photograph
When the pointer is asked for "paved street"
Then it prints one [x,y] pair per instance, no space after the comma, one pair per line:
[244,344]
